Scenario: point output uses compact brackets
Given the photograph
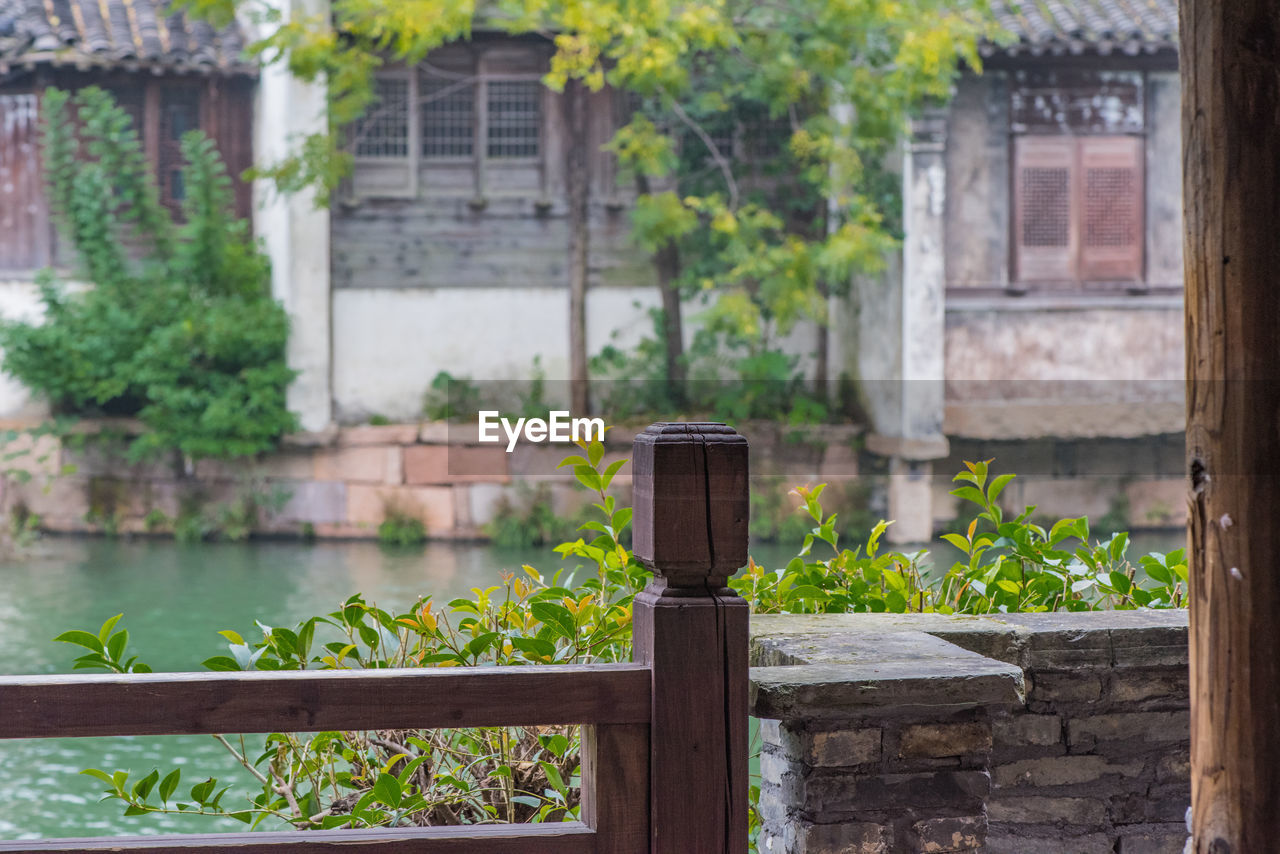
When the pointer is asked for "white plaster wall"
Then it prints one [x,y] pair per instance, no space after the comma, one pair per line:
[388,344]
[295,231]
[19,300]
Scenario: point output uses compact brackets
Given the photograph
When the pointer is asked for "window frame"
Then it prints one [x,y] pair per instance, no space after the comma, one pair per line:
[1064,104]
[486,67]
[1025,272]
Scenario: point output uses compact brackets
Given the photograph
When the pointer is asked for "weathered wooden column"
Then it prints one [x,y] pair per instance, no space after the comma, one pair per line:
[690,528]
[1230,61]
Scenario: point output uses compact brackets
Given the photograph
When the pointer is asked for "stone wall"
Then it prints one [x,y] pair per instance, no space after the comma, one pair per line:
[343,482]
[1009,734]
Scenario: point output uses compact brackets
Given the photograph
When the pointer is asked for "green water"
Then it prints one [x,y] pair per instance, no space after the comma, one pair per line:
[175,599]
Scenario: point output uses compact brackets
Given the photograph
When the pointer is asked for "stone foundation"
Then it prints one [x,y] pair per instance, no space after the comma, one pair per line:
[1012,734]
[343,482]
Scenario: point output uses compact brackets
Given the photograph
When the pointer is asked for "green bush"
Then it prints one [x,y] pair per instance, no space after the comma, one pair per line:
[186,336]
[360,779]
[400,528]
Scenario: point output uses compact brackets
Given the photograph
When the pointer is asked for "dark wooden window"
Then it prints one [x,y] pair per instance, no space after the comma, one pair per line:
[179,113]
[1078,209]
[162,110]
[24,219]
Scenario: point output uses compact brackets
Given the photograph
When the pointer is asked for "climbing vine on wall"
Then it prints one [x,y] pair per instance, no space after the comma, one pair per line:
[174,323]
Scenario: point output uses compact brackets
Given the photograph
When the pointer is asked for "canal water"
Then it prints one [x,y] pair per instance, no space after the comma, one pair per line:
[175,599]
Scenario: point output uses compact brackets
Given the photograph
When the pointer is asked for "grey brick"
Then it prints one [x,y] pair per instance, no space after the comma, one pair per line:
[1156,727]
[1047,840]
[937,740]
[1047,810]
[1167,838]
[1061,771]
[1028,730]
[1081,687]
[832,795]
[965,833]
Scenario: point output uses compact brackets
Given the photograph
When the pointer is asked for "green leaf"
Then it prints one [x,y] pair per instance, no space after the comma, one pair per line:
[611,470]
[971,494]
[105,631]
[997,486]
[555,616]
[169,784]
[200,791]
[115,647]
[99,775]
[83,639]
[143,787]
[387,790]
[536,649]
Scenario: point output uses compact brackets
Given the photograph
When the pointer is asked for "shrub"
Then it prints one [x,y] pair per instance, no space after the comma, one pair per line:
[401,528]
[185,337]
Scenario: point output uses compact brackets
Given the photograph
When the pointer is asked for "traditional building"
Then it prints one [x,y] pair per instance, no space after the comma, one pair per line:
[1037,296]
[1040,291]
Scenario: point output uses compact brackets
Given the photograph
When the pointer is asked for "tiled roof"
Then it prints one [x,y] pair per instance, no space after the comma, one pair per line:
[1077,26]
[129,33]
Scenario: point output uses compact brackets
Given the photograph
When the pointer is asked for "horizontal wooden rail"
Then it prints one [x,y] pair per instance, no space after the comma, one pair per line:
[311,701]
[565,838]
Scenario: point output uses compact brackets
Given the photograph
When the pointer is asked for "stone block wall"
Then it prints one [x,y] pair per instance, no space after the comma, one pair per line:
[1011,734]
[343,482]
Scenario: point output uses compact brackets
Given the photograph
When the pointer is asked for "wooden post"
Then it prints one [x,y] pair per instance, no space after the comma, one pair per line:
[690,528]
[1230,60]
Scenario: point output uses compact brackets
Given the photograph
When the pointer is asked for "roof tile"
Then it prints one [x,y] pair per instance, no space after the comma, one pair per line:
[1073,26]
[111,32]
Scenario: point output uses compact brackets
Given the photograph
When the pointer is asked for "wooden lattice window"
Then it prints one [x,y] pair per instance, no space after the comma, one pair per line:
[385,129]
[437,127]
[448,106]
[514,111]
[1078,209]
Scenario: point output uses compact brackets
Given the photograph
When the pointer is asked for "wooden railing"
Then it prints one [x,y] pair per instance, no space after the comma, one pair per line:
[664,747]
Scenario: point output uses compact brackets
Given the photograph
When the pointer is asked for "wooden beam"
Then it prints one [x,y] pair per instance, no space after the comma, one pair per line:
[309,701]
[558,838]
[1230,62]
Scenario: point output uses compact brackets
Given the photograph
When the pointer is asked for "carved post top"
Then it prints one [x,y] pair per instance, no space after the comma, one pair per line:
[691,499]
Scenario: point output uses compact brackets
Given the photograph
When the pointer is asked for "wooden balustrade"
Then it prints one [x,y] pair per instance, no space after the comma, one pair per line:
[664,748]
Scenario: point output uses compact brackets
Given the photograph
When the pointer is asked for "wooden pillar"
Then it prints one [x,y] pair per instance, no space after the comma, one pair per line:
[690,528]
[1230,61]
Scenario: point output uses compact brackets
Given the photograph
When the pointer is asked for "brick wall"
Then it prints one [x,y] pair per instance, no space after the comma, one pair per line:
[1012,734]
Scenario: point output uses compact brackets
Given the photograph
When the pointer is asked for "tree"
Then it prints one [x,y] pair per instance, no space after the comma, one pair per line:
[756,149]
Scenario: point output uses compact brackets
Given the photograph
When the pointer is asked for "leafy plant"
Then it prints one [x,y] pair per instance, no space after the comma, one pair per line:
[1008,565]
[450,398]
[361,779]
[400,527]
[186,336]
[528,519]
